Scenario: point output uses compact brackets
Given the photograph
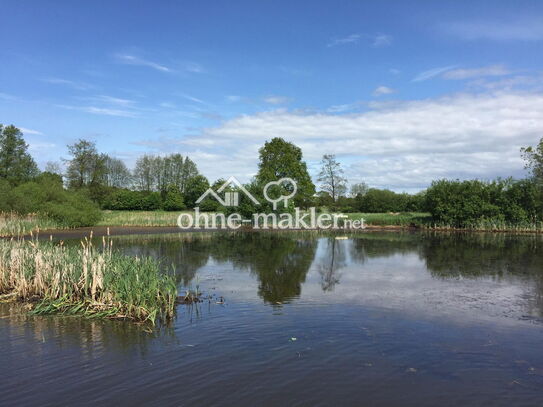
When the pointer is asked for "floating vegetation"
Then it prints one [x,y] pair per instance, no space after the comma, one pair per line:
[86,280]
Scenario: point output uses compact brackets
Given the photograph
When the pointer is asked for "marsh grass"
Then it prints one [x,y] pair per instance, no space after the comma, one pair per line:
[12,224]
[85,280]
[138,218]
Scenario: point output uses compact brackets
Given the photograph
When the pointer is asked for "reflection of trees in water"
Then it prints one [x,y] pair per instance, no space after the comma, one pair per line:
[332,261]
[280,262]
[473,255]
[185,254]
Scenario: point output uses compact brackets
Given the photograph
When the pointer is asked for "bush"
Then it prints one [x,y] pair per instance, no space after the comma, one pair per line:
[173,201]
[124,199]
[46,196]
[469,203]
[384,200]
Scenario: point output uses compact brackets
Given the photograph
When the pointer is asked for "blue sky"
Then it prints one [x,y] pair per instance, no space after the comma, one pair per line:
[401,92]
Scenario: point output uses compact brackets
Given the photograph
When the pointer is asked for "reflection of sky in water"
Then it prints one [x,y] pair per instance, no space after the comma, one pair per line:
[342,272]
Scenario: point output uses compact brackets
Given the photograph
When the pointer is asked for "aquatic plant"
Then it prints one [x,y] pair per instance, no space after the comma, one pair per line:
[13,224]
[85,280]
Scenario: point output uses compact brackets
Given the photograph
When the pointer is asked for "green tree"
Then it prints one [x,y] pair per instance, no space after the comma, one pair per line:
[16,164]
[86,167]
[195,187]
[173,200]
[331,177]
[280,159]
[534,161]
[116,173]
[360,188]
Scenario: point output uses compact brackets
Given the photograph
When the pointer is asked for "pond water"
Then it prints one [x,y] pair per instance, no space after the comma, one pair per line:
[375,319]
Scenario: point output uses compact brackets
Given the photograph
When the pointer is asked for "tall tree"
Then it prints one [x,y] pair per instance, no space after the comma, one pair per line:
[533,158]
[280,159]
[331,177]
[16,164]
[53,167]
[359,189]
[86,167]
[143,173]
[116,173]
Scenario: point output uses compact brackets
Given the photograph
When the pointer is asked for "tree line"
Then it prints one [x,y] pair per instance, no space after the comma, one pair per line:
[94,180]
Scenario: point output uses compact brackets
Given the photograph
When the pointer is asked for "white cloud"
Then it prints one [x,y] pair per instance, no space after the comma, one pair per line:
[526,29]
[134,60]
[492,70]
[30,131]
[276,100]
[101,110]
[192,98]
[350,39]
[382,40]
[404,145]
[383,90]
[432,73]
[65,82]
[377,40]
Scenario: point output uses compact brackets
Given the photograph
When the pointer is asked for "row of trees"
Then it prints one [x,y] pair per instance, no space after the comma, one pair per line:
[173,183]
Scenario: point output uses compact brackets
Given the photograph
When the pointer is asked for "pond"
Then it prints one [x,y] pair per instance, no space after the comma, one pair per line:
[303,319]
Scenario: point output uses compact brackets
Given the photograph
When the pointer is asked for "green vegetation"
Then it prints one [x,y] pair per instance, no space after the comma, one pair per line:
[393,219]
[500,204]
[94,181]
[85,281]
[12,224]
[138,218]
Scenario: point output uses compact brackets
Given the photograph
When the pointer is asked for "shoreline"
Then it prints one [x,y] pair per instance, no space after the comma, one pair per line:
[100,231]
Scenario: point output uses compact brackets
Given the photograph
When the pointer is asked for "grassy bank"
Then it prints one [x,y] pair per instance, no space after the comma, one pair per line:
[85,281]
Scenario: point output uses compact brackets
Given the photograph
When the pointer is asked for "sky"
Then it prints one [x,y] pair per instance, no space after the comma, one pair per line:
[402,92]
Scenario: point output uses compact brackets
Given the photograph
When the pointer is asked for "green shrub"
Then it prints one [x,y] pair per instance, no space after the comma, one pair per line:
[470,203]
[46,196]
[173,201]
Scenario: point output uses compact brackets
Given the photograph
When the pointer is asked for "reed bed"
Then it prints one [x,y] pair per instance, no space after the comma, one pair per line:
[138,218]
[12,224]
[89,281]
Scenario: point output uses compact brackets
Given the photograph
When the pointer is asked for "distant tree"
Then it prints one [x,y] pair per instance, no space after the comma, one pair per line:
[155,173]
[331,177]
[53,167]
[116,173]
[533,158]
[143,173]
[16,164]
[360,188]
[86,167]
[280,159]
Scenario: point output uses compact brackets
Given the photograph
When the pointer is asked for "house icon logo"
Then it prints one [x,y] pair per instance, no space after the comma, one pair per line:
[231,198]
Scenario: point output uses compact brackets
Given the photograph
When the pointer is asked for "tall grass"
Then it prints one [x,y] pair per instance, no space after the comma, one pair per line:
[85,281]
[12,224]
[138,218]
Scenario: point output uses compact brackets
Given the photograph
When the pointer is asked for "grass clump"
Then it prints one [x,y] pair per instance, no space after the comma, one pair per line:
[85,281]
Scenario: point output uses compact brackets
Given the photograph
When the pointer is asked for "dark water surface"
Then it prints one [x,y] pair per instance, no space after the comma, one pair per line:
[378,319]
